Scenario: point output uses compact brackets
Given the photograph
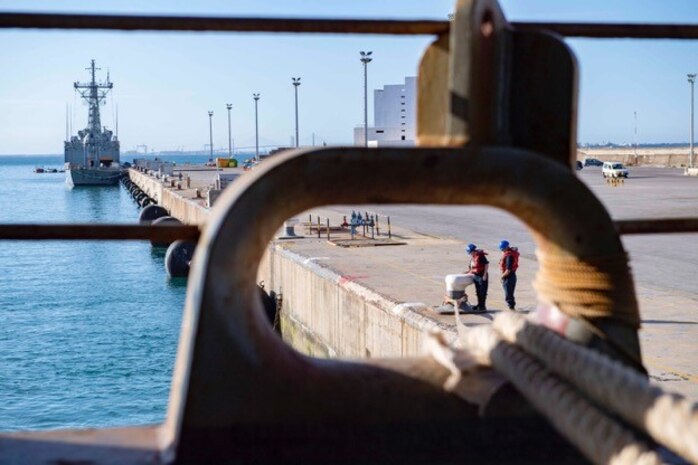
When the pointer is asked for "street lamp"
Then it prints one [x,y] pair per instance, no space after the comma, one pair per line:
[691,80]
[229,106]
[366,59]
[296,82]
[256,127]
[210,133]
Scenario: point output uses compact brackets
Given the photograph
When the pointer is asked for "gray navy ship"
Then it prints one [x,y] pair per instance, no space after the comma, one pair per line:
[92,156]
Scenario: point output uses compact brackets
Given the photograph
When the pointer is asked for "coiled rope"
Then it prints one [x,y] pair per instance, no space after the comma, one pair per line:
[562,379]
[589,287]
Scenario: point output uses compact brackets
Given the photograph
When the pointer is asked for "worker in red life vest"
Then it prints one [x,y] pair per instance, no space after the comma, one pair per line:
[479,266]
[508,265]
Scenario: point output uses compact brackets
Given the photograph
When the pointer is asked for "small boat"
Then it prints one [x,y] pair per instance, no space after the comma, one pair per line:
[38,169]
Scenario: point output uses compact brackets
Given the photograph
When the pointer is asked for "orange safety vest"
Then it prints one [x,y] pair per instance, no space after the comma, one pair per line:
[477,264]
[512,252]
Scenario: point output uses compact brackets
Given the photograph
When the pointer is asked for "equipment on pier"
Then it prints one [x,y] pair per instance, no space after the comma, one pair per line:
[455,297]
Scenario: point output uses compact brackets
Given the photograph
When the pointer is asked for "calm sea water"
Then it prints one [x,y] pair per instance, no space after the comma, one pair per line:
[88,330]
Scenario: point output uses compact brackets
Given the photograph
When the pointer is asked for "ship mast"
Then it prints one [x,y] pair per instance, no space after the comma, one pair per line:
[94,93]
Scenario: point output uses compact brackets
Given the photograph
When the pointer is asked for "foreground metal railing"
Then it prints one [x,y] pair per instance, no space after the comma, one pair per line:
[169,233]
[327,26]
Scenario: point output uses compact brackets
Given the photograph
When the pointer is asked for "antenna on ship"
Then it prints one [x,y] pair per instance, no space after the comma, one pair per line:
[94,93]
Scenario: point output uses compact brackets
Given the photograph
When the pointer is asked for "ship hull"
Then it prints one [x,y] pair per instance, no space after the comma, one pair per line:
[93,176]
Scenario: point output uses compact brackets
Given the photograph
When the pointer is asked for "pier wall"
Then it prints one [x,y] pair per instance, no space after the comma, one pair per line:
[329,315]
[645,157]
[186,210]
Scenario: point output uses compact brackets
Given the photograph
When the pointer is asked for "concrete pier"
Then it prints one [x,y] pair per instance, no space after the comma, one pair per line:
[377,301]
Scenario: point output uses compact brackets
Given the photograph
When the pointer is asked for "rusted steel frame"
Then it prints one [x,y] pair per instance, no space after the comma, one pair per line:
[614,31]
[221,24]
[98,232]
[233,372]
[657,226]
[325,26]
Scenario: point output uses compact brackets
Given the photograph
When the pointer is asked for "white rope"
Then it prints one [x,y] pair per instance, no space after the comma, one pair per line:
[668,418]
[599,437]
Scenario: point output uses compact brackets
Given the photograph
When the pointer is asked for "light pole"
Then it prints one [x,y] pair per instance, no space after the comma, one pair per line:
[296,82]
[256,127]
[691,80]
[210,134]
[229,106]
[366,59]
[635,151]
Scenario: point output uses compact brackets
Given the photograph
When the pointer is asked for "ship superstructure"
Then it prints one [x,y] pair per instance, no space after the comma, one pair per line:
[92,156]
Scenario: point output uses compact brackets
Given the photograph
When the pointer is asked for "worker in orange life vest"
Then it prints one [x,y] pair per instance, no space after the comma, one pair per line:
[508,265]
[479,265]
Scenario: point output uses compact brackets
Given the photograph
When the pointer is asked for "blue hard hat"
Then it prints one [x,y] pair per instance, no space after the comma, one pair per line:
[470,248]
[503,244]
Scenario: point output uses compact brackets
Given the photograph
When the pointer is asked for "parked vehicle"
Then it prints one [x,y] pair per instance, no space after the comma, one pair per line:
[592,162]
[614,170]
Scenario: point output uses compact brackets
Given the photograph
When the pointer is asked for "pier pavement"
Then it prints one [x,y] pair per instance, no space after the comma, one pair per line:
[664,265]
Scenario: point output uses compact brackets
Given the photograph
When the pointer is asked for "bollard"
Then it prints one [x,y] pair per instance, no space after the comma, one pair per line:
[289,229]
[179,186]
[373,229]
[378,229]
[328,228]
[310,224]
[390,234]
[318,227]
[172,182]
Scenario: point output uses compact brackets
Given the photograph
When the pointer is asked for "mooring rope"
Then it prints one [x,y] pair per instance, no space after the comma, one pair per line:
[597,436]
[668,418]
[562,379]
[588,288]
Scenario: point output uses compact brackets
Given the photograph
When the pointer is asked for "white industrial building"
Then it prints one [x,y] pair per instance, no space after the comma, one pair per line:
[394,116]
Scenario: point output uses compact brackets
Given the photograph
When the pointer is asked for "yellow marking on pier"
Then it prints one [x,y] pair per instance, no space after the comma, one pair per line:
[657,365]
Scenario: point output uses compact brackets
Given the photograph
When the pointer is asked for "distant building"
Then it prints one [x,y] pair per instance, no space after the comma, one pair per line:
[394,116]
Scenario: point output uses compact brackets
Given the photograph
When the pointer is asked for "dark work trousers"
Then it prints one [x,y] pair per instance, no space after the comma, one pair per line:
[480,290]
[509,285]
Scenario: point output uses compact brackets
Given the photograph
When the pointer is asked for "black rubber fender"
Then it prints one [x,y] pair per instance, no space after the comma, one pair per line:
[164,220]
[178,257]
[152,213]
[269,304]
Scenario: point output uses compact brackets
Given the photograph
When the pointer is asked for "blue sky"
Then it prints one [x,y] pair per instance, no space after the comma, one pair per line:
[166,83]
